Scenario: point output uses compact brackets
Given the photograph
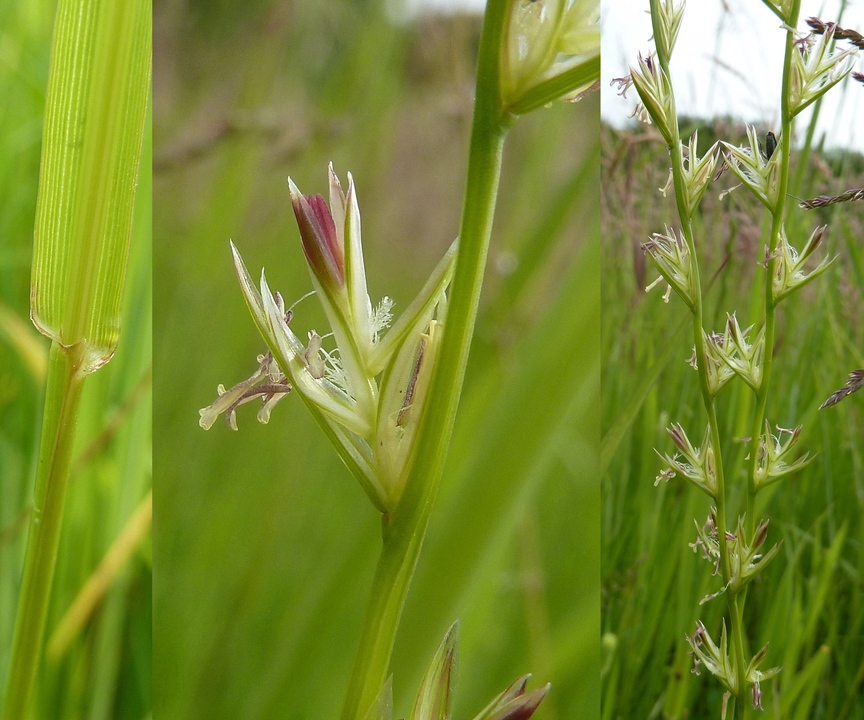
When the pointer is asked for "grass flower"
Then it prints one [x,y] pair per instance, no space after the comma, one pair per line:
[744,559]
[697,465]
[671,257]
[790,274]
[771,463]
[738,353]
[551,51]
[670,16]
[368,392]
[756,676]
[714,361]
[655,91]
[267,383]
[852,195]
[853,36]
[756,170]
[696,172]
[435,697]
[815,70]
[708,543]
[715,658]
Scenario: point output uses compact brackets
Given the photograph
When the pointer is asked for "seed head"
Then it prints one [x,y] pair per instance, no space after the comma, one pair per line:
[853,384]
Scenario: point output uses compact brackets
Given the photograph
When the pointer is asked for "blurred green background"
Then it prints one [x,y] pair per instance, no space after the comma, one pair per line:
[101,668]
[809,603]
[264,545]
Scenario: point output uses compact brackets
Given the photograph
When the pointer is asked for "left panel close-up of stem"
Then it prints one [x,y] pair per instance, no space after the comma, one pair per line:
[75,450]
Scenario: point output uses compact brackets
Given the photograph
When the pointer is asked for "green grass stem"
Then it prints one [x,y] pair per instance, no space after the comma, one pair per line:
[58,433]
[403,533]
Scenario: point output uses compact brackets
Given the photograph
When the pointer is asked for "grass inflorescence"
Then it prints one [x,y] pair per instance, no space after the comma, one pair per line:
[654,595]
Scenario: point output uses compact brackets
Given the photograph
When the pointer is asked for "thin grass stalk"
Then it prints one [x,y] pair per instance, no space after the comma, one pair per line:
[62,400]
[737,630]
[404,531]
[777,217]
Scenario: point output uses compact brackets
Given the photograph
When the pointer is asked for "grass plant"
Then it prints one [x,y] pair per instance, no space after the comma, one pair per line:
[643,575]
[319,583]
[94,122]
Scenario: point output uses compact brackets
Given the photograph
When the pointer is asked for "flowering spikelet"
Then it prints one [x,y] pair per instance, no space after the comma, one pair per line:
[820,27]
[826,200]
[758,173]
[815,70]
[741,356]
[671,257]
[696,172]
[655,91]
[368,392]
[435,696]
[718,371]
[790,274]
[544,39]
[670,23]
[771,463]
[745,559]
[695,464]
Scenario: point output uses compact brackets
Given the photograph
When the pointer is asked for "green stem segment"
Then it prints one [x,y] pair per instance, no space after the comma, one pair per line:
[778,215]
[405,529]
[52,473]
[738,637]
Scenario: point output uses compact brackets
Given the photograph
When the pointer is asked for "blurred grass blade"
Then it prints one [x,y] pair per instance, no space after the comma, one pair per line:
[94,124]
[797,700]
[624,419]
[26,342]
[98,583]
[98,89]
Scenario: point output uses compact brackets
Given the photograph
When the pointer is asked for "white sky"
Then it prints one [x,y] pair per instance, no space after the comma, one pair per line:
[727,61]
